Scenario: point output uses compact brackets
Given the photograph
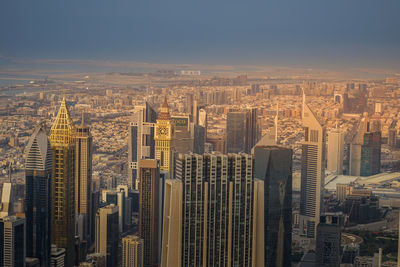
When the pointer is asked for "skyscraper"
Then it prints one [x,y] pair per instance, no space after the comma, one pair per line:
[12,242]
[273,165]
[164,134]
[328,241]
[335,152]
[218,220]
[141,140]
[62,141]
[107,234]
[149,187]
[371,154]
[132,251]
[365,150]
[38,166]
[242,131]
[312,172]
[236,132]
[253,131]
[183,143]
[83,176]
[172,225]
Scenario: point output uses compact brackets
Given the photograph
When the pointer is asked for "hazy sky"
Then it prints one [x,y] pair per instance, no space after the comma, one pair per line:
[267,32]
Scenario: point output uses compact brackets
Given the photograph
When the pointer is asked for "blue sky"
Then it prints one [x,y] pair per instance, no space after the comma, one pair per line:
[336,33]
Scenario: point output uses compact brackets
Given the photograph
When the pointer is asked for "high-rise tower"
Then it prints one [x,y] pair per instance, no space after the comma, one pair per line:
[213,212]
[132,251]
[236,132]
[242,131]
[164,134]
[273,165]
[149,188]
[107,234]
[83,176]
[12,241]
[335,151]
[329,230]
[312,172]
[62,141]
[38,196]
[141,140]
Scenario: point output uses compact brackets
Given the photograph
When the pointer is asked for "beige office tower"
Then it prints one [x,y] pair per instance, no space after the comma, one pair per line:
[107,234]
[62,143]
[312,172]
[172,224]
[132,251]
[356,147]
[164,133]
[149,188]
[335,151]
[83,176]
[213,212]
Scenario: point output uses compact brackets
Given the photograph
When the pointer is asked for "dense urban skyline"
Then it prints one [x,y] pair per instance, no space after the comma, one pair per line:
[207,133]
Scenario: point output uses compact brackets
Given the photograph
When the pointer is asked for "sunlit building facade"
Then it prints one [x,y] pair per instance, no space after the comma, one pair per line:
[164,134]
[62,141]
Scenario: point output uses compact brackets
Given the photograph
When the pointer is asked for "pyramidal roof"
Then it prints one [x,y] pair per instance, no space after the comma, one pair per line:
[38,153]
[310,119]
[164,114]
[63,129]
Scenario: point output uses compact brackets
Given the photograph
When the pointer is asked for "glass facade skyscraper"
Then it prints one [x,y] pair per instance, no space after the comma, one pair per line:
[38,196]
[273,165]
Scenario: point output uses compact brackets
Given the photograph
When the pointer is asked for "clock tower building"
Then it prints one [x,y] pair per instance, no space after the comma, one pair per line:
[164,132]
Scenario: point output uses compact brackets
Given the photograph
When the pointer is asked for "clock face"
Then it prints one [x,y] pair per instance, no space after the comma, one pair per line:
[162,130]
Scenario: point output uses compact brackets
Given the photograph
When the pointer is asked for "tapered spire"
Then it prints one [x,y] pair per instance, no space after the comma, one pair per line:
[63,130]
[164,113]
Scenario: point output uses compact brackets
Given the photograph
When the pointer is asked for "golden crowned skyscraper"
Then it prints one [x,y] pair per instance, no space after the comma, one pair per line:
[62,142]
[164,132]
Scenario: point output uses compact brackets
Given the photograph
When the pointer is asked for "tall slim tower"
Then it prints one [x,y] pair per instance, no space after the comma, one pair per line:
[140,141]
[149,187]
[62,141]
[38,196]
[164,133]
[312,172]
[83,176]
[273,165]
[335,151]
